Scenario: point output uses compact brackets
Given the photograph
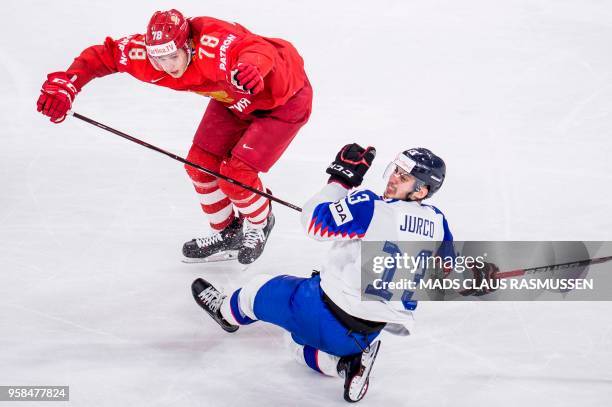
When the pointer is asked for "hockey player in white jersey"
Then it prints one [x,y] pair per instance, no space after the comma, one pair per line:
[333,331]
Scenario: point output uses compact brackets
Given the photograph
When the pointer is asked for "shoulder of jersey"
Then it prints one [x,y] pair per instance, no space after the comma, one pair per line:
[131,50]
[433,208]
[210,24]
[371,195]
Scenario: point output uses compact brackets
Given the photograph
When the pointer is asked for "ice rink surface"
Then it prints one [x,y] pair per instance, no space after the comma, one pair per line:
[516,96]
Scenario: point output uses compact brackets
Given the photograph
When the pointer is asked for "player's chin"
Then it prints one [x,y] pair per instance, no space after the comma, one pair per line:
[176,74]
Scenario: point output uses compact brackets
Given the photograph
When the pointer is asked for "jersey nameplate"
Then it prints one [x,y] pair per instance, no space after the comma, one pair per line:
[418,225]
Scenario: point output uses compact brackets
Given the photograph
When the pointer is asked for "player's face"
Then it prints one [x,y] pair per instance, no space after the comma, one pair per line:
[174,64]
[402,185]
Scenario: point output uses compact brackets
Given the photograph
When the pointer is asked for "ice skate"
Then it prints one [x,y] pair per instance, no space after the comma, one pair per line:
[210,299]
[254,241]
[220,246]
[355,370]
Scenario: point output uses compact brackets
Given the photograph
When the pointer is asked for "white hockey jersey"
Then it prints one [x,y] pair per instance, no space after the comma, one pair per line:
[363,215]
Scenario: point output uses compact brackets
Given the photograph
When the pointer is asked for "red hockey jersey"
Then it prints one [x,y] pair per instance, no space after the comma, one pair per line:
[218,46]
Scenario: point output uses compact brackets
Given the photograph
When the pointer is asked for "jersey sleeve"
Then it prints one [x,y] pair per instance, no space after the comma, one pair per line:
[111,57]
[258,53]
[332,215]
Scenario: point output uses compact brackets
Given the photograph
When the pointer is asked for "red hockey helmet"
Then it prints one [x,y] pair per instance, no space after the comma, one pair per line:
[167,32]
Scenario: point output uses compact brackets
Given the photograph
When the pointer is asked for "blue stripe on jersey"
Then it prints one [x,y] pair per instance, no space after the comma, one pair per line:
[447,249]
[448,236]
[360,204]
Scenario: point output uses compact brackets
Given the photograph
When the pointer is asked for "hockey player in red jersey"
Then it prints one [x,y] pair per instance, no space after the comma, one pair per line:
[260,98]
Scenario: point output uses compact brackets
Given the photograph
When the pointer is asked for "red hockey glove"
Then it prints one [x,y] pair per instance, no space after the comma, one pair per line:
[247,78]
[56,96]
[351,164]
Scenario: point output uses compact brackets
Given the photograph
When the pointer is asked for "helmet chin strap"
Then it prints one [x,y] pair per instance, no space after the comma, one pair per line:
[408,199]
[417,188]
[190,52]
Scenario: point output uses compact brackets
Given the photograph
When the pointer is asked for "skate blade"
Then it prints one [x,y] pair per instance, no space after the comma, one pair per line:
[227,255]
[359,385]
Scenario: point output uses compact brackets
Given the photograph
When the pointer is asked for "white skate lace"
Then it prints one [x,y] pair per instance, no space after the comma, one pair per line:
[212,298]
[209,240]
[252,236]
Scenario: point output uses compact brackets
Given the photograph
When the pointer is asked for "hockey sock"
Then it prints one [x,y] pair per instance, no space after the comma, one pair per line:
[233,312]
[315,359]
[255,208]
[239,307]
[214,202]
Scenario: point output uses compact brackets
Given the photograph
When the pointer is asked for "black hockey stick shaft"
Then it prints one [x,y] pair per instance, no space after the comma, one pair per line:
[184,161]
[552,267]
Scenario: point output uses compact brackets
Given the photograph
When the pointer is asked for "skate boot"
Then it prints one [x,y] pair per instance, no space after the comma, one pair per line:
[219,246]
[254,241]
[210,299]
[355,369]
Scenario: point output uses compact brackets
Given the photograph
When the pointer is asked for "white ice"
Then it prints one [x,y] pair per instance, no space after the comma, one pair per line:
[516,95]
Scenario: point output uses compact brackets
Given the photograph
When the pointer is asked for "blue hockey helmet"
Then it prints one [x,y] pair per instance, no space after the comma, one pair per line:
[421,163]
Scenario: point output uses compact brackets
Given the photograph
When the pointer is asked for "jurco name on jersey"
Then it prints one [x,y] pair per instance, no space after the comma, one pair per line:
[415,224]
